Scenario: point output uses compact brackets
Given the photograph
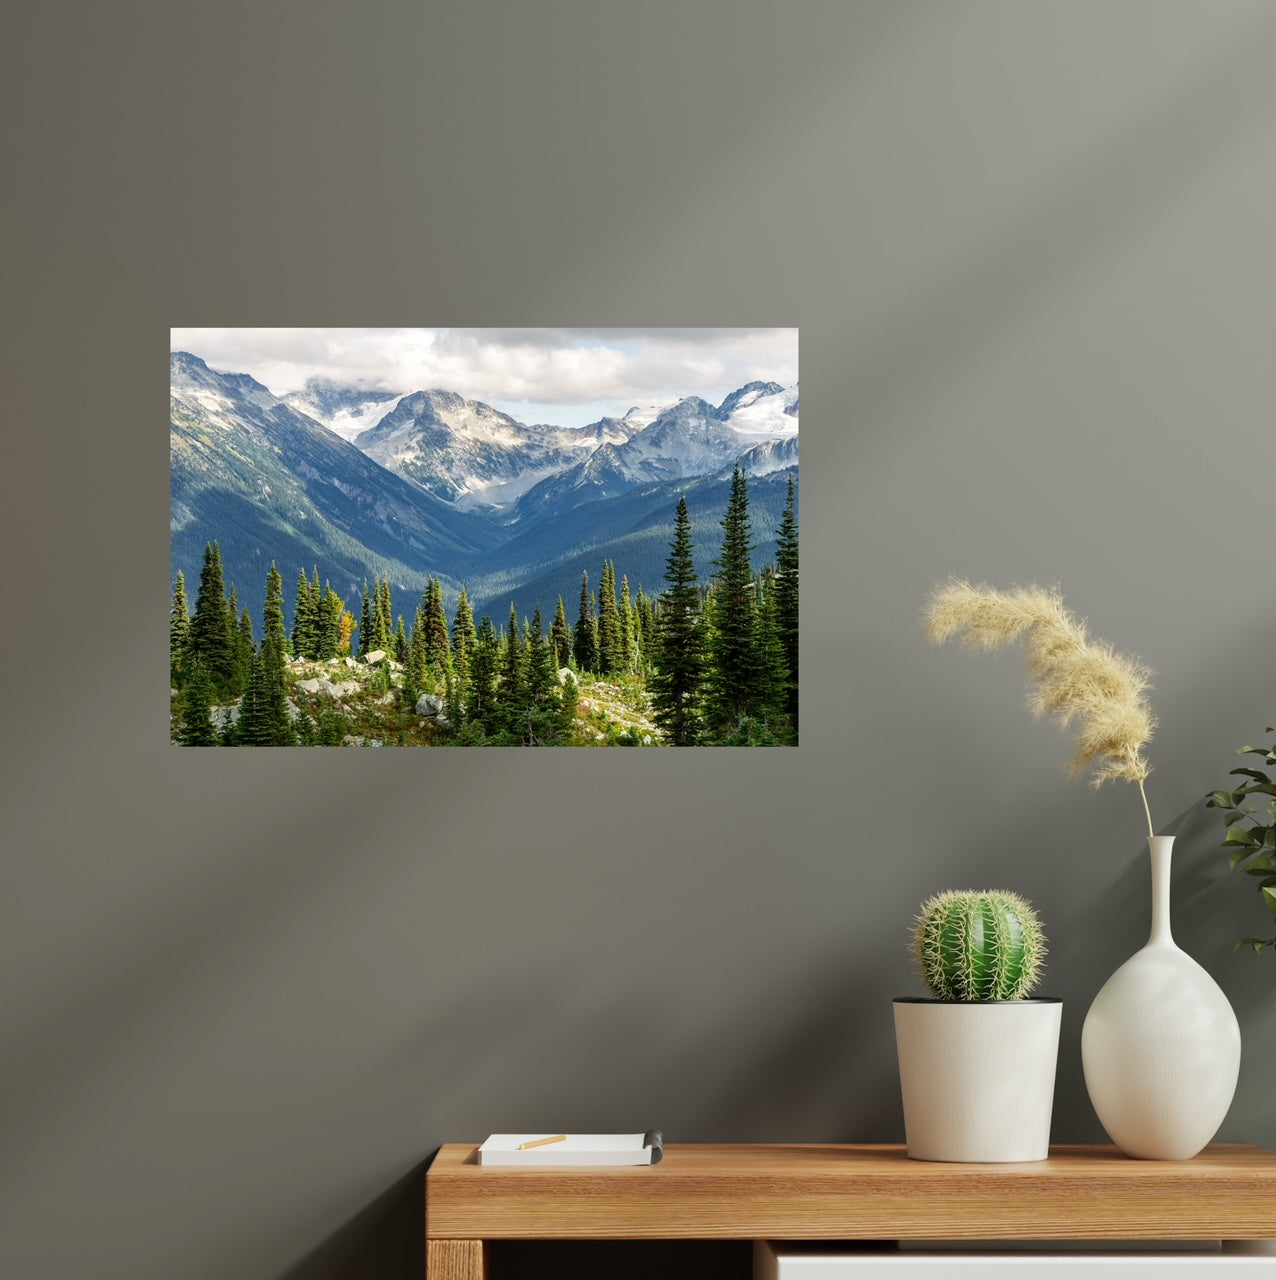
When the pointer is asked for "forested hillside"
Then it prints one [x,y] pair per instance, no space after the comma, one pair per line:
[700,658]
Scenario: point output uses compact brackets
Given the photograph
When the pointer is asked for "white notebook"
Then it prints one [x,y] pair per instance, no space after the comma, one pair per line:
[532,1149]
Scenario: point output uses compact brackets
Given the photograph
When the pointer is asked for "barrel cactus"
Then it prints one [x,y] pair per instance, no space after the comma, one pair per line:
[978,945]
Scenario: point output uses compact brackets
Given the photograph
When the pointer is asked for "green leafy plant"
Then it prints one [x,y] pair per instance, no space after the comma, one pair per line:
[972,945]
[1251,832]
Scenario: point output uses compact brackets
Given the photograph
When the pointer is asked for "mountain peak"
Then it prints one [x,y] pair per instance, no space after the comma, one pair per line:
[189,371]
[747,395]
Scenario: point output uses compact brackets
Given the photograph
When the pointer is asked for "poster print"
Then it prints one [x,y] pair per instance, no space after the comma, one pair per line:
[484,537]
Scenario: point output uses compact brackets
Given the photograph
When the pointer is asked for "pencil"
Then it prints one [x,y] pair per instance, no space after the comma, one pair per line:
[542,1142]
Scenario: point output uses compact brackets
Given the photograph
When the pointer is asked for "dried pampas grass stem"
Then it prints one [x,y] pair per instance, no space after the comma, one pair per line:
[1075,680]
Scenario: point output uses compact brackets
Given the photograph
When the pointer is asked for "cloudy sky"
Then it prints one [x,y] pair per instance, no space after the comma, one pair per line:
[565,376]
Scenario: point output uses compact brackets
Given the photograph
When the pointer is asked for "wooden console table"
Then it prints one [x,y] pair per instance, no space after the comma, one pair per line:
[835,1192]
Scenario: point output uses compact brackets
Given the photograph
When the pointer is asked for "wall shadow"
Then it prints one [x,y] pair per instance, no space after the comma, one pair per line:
[383,1241]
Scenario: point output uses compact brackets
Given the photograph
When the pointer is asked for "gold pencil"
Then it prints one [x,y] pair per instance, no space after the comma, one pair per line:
[541,1142]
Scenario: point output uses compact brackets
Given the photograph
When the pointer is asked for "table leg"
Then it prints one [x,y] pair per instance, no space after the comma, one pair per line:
[455,1260]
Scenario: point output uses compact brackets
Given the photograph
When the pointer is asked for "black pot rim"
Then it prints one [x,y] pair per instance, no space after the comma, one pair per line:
[976,1004]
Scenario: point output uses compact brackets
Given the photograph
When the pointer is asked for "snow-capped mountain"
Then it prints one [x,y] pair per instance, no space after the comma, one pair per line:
[691,438]
[478,458]
[770,455]
[475,456]
[349,411]
[643,414]
[270,483]
[762,409]
[439,485]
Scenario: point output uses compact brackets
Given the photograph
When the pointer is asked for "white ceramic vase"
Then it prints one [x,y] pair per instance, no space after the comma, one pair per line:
[977,1079]
[1161,1047]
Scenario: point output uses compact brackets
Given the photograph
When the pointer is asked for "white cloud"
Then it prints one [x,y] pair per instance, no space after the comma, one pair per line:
[556,375]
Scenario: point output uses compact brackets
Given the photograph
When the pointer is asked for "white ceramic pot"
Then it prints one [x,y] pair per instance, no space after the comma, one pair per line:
[1161,1047]
[977,1078]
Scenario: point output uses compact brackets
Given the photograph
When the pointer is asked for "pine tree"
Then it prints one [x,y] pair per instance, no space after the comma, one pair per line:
[241,658]
[331,606]
[512,670]
[585,641]
[416,649]
[400,642]
[540,697]
[568,702]
[628,639]
[314,620]
[646,610]
[786,597]
[301,616]
[197,721]
[246,646]
[733,672]
[208,640]
[772,692]
[610,641]
[179,626]
[464,638]
[636,626]
[232,627]
[253,729]
[481,699]
[560,637]
[383,619]
[332,728]
[437,645]
[678,661]
[272,617]
[365,624]
[277,725]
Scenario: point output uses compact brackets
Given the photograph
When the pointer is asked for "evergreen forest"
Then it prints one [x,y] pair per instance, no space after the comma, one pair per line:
[696,663]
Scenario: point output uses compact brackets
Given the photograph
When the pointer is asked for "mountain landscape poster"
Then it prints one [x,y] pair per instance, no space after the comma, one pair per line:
[484,537]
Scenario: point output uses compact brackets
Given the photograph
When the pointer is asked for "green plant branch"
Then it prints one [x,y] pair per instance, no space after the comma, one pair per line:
[1250,835]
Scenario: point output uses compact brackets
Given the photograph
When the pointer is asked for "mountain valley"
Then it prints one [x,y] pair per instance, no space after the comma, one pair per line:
[407,485]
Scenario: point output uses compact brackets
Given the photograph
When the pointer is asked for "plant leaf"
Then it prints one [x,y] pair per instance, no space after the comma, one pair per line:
[1252,773]
[1238,833]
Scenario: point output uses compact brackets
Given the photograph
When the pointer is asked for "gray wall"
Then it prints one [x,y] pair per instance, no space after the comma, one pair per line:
[1029,247]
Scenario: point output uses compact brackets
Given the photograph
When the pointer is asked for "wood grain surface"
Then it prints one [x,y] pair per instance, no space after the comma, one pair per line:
[817,1191]
[455,1260]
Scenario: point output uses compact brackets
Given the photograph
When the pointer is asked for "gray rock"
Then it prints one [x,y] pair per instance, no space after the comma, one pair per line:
[221,716]
[377,655]
[321,684]
[430,704]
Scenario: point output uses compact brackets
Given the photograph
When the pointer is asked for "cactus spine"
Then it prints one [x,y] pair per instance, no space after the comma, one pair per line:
[978,946]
